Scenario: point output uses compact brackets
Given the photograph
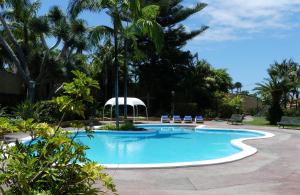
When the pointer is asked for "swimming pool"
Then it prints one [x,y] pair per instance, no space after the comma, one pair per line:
[168,146]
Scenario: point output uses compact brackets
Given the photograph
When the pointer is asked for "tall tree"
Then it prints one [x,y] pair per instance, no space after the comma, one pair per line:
[24,35]
[170,66]
[141,20]
[283,80]
[203,82]
[238,86]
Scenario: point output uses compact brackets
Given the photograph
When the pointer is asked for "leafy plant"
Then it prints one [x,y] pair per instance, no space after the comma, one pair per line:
[25,110]
[6,126]
[228,104]
[235,101]
[52,162]
[47,111]
[44,111]
[2,111]
[76,93]
[122,127]
[280,88]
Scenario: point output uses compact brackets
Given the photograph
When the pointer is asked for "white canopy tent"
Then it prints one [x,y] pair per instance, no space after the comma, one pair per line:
[134,102]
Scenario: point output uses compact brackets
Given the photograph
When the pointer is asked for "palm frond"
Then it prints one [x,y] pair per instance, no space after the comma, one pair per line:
[98,33]
[77,6]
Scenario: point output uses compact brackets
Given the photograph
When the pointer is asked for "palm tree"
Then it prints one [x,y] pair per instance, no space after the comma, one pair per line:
[102,62]
[283,80]
[23,38]
[272,90]
[118,10]
[238,86]
[139,26]
[287,72]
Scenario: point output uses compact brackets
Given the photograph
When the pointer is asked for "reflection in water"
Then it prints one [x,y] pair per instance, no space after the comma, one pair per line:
[173,144]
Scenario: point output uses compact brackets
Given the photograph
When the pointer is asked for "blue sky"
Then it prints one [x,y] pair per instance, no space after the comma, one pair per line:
[244,37]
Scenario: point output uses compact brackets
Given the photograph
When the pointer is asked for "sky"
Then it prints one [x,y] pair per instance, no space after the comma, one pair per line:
[244,36]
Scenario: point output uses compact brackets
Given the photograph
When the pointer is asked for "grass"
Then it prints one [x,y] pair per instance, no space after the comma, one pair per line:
[262,121]
[258,121]
[122,127]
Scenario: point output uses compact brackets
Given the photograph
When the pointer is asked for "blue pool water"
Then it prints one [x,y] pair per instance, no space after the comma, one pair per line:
[164,144]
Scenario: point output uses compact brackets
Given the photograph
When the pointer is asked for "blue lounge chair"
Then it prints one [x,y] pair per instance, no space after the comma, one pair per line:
[164,119]
[188,119]
[176,119]
[199,119]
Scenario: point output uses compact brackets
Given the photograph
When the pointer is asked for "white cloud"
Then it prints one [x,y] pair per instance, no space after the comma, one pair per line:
[239,19]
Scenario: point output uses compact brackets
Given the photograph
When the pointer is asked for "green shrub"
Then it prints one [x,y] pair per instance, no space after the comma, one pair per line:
[53,163]
[6,126]
[122,127]
[292,112]
[25,110]
[229,105]
[44,111]
[3,111]
[48,112]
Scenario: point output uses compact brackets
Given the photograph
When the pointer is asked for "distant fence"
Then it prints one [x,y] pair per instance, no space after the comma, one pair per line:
[10,83]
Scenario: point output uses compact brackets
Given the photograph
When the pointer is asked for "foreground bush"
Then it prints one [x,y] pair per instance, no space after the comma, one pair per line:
[52,162]
[6,126]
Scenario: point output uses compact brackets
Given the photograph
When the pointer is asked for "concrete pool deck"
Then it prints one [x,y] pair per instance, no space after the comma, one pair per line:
[275,169]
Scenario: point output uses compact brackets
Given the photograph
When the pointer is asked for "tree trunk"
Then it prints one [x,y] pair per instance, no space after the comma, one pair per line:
[116,75]
[105,82]
[31,90]
[125,79]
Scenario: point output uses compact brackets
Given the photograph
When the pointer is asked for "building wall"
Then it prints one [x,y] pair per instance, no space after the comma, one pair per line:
[10,84]
[11,89]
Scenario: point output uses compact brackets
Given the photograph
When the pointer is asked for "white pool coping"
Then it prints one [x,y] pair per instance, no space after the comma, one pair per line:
[246,150]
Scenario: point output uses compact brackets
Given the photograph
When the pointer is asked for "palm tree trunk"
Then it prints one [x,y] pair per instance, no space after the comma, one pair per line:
[105,82]
[31,91]
[125,79]
[116,75]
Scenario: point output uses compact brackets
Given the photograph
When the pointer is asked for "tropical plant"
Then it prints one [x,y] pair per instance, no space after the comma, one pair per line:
[234,102]
[6,126]
[26,110]
[227,104]
[172,65]
[123,127]
[3,111]
[283,80]
[203,83]
[273,90]
[52,162]
[75,94]
[142,21]
[238,86]
[23,39]
[43,111]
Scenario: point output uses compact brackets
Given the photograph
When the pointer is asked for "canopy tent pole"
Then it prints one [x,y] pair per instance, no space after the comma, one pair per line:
[133,113]
[111,113]
[134,102]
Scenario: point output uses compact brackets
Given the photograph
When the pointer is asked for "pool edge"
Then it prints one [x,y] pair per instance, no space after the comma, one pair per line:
[247,151]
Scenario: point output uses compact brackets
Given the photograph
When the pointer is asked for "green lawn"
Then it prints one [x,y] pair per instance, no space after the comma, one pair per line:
[258,121]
